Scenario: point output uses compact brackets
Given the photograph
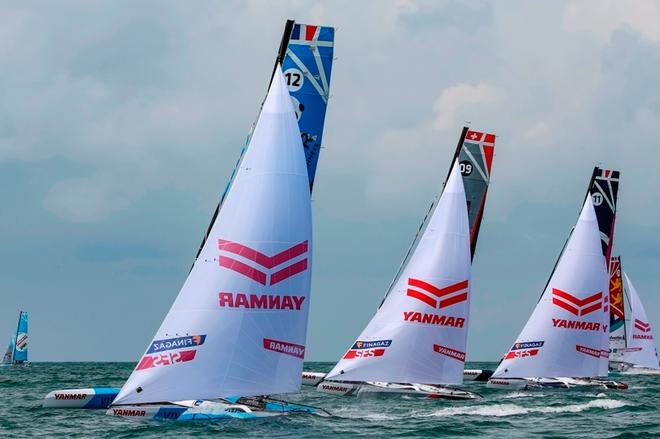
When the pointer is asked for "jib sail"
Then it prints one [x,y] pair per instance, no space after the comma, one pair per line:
[564,337]
[419,333]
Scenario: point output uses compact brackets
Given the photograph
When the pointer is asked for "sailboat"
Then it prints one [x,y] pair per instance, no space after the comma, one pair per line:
[306,57]
[239,323]
[17,352]
[415,344]
[474,156]
[636,353]
[565,339]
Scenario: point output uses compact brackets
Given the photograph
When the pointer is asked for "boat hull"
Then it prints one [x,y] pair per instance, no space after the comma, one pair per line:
[377,389]
[631,369]
[553,383]
[314,378]
[92,398]
[227,409]
[477,374]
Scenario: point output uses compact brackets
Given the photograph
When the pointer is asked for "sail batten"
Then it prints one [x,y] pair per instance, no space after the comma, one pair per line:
[239,323]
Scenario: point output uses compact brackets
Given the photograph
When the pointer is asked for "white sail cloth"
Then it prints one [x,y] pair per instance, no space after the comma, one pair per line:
[419,333]
[640,350]
[566,335]
[239,323]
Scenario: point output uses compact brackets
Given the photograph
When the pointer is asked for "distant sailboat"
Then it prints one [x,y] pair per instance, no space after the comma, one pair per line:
[17,352]
[474,158]
[565,339]
[306,57]
[7,359]
[639,355]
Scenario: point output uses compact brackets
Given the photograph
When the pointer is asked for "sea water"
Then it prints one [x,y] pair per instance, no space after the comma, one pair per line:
[588,413]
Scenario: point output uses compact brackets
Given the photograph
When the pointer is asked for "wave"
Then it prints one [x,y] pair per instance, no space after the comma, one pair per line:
[499,410]
[516,395]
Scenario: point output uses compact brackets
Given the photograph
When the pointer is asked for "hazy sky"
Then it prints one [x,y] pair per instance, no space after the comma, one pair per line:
[120,122]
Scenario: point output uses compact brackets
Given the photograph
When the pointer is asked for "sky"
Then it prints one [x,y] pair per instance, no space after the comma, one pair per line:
[120,123]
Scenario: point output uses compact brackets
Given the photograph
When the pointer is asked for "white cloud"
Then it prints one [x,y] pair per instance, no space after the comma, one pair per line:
[456,103]
[602,17]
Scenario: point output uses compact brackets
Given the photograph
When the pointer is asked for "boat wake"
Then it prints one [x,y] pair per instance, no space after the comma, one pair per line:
[501,410]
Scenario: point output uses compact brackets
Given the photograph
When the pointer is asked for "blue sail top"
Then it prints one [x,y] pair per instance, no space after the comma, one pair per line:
[21,343]
[307,67]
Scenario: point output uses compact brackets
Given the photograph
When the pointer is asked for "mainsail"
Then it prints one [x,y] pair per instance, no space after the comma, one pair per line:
[306,56]
[419,333]
[239,323]
[564,335]
[617,311]
[475,158]
[640,350]
[21,342]
[604,188]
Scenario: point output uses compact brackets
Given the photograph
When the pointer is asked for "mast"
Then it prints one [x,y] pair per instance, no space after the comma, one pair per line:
[284,45]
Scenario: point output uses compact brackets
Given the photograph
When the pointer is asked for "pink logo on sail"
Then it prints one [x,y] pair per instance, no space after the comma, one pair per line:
[283,347]
[449,352]
[575,305]
[589,351]
[447,296]
[149,361]
[642,326]
[265,261]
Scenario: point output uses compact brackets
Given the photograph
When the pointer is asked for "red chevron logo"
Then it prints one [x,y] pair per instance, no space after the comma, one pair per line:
[642,326]
[574,305]
[265,261]
[420,290]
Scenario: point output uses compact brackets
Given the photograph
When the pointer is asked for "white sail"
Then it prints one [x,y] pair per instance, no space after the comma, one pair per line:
[8,358]
[566,334]
[239,323]
[640,349]
[419,333]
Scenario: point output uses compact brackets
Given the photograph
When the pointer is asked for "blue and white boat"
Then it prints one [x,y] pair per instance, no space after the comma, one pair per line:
[17,351]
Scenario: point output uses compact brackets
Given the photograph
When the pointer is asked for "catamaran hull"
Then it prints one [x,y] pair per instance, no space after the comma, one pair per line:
[553,383]
[477,374]
[314,378]
[212,410]
[374,389]
[92,398]
[631,369]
